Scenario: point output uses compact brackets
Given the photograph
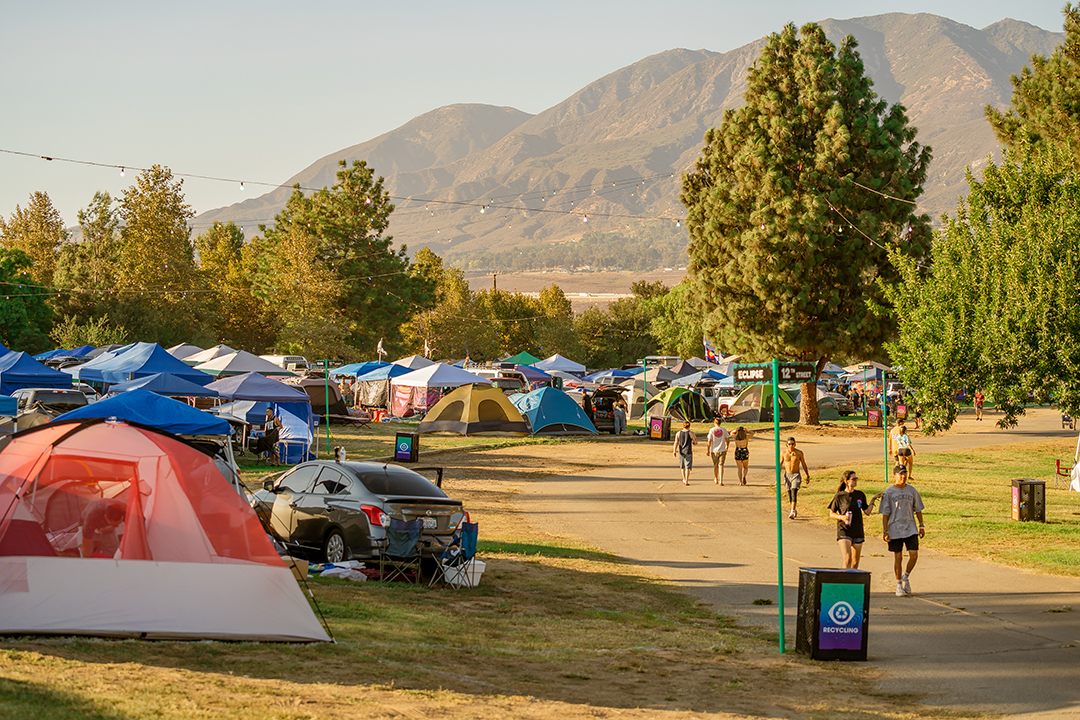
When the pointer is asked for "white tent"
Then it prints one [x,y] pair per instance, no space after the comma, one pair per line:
[174,551]
[415,362]
[558,362]
[207,355]
[183,350]
[439,375]
[241,362]
[858,367]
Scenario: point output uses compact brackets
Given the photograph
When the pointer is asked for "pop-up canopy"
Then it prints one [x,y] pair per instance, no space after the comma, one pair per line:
[164,384]
[139,361]
[558,362]
[19,370]
[148,408]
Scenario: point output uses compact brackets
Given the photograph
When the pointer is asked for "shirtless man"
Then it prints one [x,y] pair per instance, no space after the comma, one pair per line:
[791,459]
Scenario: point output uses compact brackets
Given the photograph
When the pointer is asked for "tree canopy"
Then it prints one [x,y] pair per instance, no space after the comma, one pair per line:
[795,202]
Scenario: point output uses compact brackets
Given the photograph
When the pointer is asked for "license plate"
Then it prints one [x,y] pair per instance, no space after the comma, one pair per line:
[430,523]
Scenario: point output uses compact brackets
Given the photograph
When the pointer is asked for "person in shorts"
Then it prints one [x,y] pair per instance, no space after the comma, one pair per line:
[847,508]
[901,505]
[979,400]
[684,450]
[791,459]
[717,446]
[905,453]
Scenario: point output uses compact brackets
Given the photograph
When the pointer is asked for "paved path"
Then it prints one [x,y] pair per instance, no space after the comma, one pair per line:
[974,636]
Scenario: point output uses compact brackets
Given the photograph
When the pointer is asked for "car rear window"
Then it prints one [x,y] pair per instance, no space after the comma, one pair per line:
[394,480]
[69,399]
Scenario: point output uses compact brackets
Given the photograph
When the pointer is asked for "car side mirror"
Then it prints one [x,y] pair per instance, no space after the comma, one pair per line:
[268,485]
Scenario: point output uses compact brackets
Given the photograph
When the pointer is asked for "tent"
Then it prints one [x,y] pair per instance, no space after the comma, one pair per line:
[183,350]
[19,370]
[635,396]
[208,354]
[164,384]
[872,364]
[558,362]
[297,430]
[614,374]
[698,363]
[240,363]
[316,389]
[681,404]
[415,362]
[41,357]
[148,408]
[472,409]
[185,563]
[254,386]
[113,349]
[77,353]
[552,412]
[827,409]
[534,376]
[419,390]
[755,404]
[373,387]
[685,368]
[3,350]
[522,358]
[704,376]
[139,361]
[660,374]
[356,369]
[832,369]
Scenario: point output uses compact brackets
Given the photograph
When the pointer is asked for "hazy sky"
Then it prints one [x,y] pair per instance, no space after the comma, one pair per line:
[259,90]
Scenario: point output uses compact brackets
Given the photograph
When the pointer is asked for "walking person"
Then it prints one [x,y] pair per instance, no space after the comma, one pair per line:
[717,446]
[847,508]
[618,411]
[742,439]
[791,459]
[979,398]
[683,448]
[905,453]
[901,504]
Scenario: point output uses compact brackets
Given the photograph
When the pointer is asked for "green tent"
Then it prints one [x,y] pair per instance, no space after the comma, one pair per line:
[682,404]
[755,404]
[522,358]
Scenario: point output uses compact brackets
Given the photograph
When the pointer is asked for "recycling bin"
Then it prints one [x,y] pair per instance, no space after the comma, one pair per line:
[834,613]
[660,428]
[407,447]
[1029,500]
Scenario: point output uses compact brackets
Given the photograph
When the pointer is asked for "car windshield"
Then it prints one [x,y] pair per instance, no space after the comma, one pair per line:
[394,480]
[60,399]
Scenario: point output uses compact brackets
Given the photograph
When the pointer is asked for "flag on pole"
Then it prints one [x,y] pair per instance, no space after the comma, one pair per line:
[710,351]
[379,349]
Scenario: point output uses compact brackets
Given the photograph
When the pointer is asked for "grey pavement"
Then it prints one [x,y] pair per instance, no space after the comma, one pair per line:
[974,636]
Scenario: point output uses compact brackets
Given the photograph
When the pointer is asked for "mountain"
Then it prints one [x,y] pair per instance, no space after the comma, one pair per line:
[475,177]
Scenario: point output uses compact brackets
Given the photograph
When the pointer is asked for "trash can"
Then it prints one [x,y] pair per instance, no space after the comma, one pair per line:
[660,428]
[407,447]
[1029,500]
[834,613]
[873,418]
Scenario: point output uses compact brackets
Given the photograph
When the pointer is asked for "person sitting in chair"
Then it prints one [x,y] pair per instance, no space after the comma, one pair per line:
[268,443]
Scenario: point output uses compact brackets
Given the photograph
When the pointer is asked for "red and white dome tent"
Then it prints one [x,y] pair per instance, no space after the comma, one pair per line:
[191,557]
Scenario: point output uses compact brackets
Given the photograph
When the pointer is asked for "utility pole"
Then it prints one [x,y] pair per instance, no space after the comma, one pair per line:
[494,281]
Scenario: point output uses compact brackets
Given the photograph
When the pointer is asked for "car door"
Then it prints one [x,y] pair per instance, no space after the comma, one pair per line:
[317,510]
[289,495]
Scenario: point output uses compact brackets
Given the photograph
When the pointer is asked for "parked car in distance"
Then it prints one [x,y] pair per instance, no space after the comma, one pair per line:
[288,362]
[91,394]
[331,511]
[844,406]
[52,398]
[603,402]
[509,381]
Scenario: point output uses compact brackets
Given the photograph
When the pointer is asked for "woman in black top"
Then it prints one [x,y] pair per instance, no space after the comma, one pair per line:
[847,508]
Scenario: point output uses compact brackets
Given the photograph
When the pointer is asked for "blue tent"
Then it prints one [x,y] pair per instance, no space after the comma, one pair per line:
[136,362]
[3,350]
[356,369]
[552,412]
[42,357]
[253,386]
[384,372]
[164,384]
[688,380]
[147,408]
[19,370]
[614,373]
[79,352]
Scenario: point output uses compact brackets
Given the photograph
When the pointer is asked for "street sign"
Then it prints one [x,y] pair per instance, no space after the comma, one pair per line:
[753,373]
[888,375]
[797,373]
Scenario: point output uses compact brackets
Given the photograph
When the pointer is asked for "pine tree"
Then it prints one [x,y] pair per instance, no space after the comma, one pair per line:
[37,231]
[794,203]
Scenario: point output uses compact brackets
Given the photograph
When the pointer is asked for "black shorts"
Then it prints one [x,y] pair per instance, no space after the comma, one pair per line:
[898,544]
[903,452]
[854,540]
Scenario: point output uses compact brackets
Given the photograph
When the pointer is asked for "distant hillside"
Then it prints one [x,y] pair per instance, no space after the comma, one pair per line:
[617,146]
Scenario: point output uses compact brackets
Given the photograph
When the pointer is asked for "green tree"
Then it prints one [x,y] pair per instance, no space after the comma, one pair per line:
[37,231]
[72,333]
[161,299]
[554,331]
[87,270]
[447,328]
[25,316]
[1044,107]
[996,308]
[505,322]
[346,225]
[616,336]
[675,322]
[794,203]
[228,266]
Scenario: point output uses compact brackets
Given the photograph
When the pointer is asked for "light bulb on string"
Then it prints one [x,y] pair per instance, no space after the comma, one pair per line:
[241,184]
[121,172]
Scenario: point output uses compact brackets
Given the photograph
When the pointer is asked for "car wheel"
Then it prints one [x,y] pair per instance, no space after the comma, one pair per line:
[334,547]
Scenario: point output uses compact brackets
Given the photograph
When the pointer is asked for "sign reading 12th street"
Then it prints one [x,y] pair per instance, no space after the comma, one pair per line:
[762,372]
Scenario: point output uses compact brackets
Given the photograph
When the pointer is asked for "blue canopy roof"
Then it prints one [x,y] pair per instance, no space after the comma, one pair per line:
[3,350]
[136,362]
[143,406]
[19,370]
[42,357]
[164,384]
[552,412]
[253,386]
[390,370]
[356,369]
[687,380]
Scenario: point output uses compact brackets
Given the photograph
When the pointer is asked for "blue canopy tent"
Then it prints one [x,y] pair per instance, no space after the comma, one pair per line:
[164,384]
[3,350]
[147,408]
[373,387]
[356,369]
[79,352]
[253,386]
[42,357]
[19,370]
[552,412]
[136,362]
[704,375]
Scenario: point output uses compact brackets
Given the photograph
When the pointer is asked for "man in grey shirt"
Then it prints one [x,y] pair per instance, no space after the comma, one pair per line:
[901,504]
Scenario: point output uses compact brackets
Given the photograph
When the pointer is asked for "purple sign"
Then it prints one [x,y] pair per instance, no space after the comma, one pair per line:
[842,612]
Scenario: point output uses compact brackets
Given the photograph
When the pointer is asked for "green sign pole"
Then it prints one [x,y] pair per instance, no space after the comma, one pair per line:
[326,394]
[779,508]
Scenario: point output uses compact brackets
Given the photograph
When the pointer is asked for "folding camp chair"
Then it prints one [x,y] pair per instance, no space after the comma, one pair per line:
[456,565]
[401,556]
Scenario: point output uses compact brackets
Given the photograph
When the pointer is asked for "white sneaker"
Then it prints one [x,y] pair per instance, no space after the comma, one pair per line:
[900,588]
[906,583]
[791,515]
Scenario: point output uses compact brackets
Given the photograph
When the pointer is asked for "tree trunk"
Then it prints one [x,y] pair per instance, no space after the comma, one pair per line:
[808,408]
